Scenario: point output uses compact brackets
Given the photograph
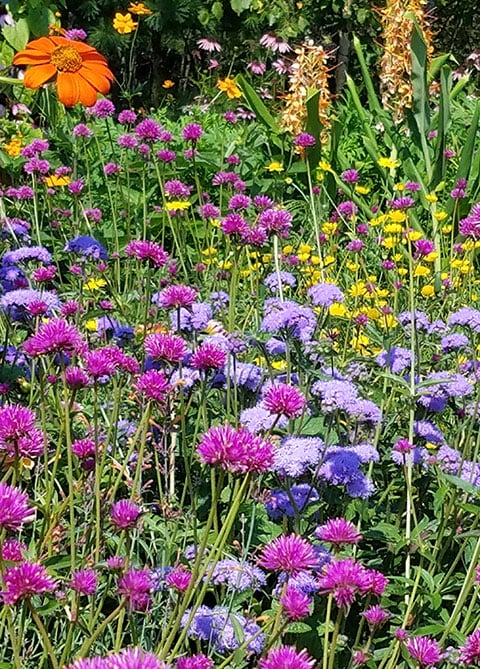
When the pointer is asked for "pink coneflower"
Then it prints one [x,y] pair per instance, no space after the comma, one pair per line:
[146,250]
[19,436]
[153,385]
[235,449]
[175,296]
[344,579]
[274,43]
[15,509]
[199,661]
[125,514]
[424,650]
[25,580]
[208,45]
[286,657]
[376,616]
[257,68]
[208,356]
[84,581]
[338,531]
[135,585]
[470,651]
[284,400]
[295,604]
[55,336]
[163,346]
[178,579]
[289,553]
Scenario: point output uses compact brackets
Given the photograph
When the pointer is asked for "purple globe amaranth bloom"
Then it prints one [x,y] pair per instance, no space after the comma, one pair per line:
[339,532]
[304,140]
[192,132]
[286,657]
[127,116]
[470,650]
[347,209]
[295,604]
[235,449]
[375,616]
[13,550]
[148,130]
[199,661]
[178,579]
[125,514]
[84,581]
[470,226]
[404,202]
[102,109]
[424,650]
[423,247]
[81,130]
[208,356]
[285,400]
[289,553]
[15,509]
[177,189]
[24,580]
[175,296]
[325,294]
[136,587]
[345,579]
[350,176]
[154,386]
[146,250]
[19,436]
[133,658]
[166,347]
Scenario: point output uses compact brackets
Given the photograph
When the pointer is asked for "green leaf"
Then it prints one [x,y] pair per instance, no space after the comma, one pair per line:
[298,628]
[465,163]
[419,119]
[256,105]
[436,64]
[373,101]
[17,35]
[314,127]
[240,6]
[217,10]
[440,161]
[39,19]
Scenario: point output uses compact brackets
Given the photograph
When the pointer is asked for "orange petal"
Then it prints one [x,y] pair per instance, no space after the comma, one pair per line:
[45,44]
[68,88]
[98,69]
[94,57]
[95,79]
[88,94]
[28,57]
[39,75]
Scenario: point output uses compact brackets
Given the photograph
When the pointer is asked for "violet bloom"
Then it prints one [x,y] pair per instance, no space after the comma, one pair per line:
[424,650]
[175,296]
[125,514]
[55,336]
[166,155]
[146,250]
[177,189]
[154,386]
[304,140]
[284,400]
[274,43]
[127,116]
[15,509]
[192,132]
[325,294]
[343,579]
[24,580]
[76,187]
[286,657]
[424,247]
[208,356]
[102,109]
[350,176]
[13,550]
[81,130]
[135,586]
[257,67]
[235,449]
[375,616]
[289,553]
[404,202]
[164,346]
[339,532]
[470,651]
[178,579]
[112,168]
[84,581]
[199,661]
[19,436]
[148,130]
[130,658]
[295,604]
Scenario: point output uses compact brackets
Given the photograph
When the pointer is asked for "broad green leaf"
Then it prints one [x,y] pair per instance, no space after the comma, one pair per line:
[440,161]
[314,127]
[373,101]
[17,35]
[436,64]
[256,105]
[240,6]
[465,163]
[420,116]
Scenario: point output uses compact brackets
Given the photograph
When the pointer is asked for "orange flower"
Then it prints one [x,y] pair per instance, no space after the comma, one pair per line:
[168,83]
[139,9]
[79,71]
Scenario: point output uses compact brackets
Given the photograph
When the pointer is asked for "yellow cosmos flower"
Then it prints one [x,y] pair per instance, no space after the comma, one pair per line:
[177,205]
[431,197]
[337,309]
[431,257]
[287,249]
[358,289]
[390,242]
[413,235]
[53,181]
[428,291]
[139,9]
[168,83]
[94,284]
[388,163]
[329,227]
[362,190]
[229,87]
[13,147]
[124,24]
[275,166]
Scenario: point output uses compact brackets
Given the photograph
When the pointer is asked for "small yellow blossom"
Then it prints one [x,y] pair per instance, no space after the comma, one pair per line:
[288,180]
[266,258]
[447,229]
[358,289]
[275,166]
[352,266]
[54,181]
[397,216]
[388,321]
[210,251]
[388,163]
[13,147]
[303,257]
[124,24]
[94,284]
[421,270]
[440,216]
[362,190]
[329,260]
[287,249]
[428,291]
[359,343]
[399,186]
[92,325]
[431,197]
[315,260]
[168,83]
[379,220]
[139,9]
[229,87]
[177,205]
[393,229]
[225,264]
[337,309]
[329,227]
[325,166]
[414,235]
[402,271]
[431,257]
[279,365]
[390,242]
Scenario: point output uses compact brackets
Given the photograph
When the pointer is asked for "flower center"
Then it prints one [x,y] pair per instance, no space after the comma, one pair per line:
[66,59]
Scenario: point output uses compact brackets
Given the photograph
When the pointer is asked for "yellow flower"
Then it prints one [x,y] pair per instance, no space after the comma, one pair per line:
[229,87]
[53,181]
[211,251]
[399,186]
[266,258]
[337,309]
[275,166]
[124,24]
[139,9]
[390,242]
[393,229]
[168,83]
[388,163]
[92,325]
[287,249]
[440,216]
[279,365]
[431,197]
[324,166]
[397,216]
[315,260]
[431,257]
[94,284]
[352,266]
[358,289]
[177,205]
[288,180]
[329,260]
[329,227]
[359,343]
[362,190]
[413,235]
[447,229]
[421,270]
[428,291]
[13,147]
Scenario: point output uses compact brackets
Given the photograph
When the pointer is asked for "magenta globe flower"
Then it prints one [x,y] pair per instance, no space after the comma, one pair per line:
[286,657]
[289,553]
